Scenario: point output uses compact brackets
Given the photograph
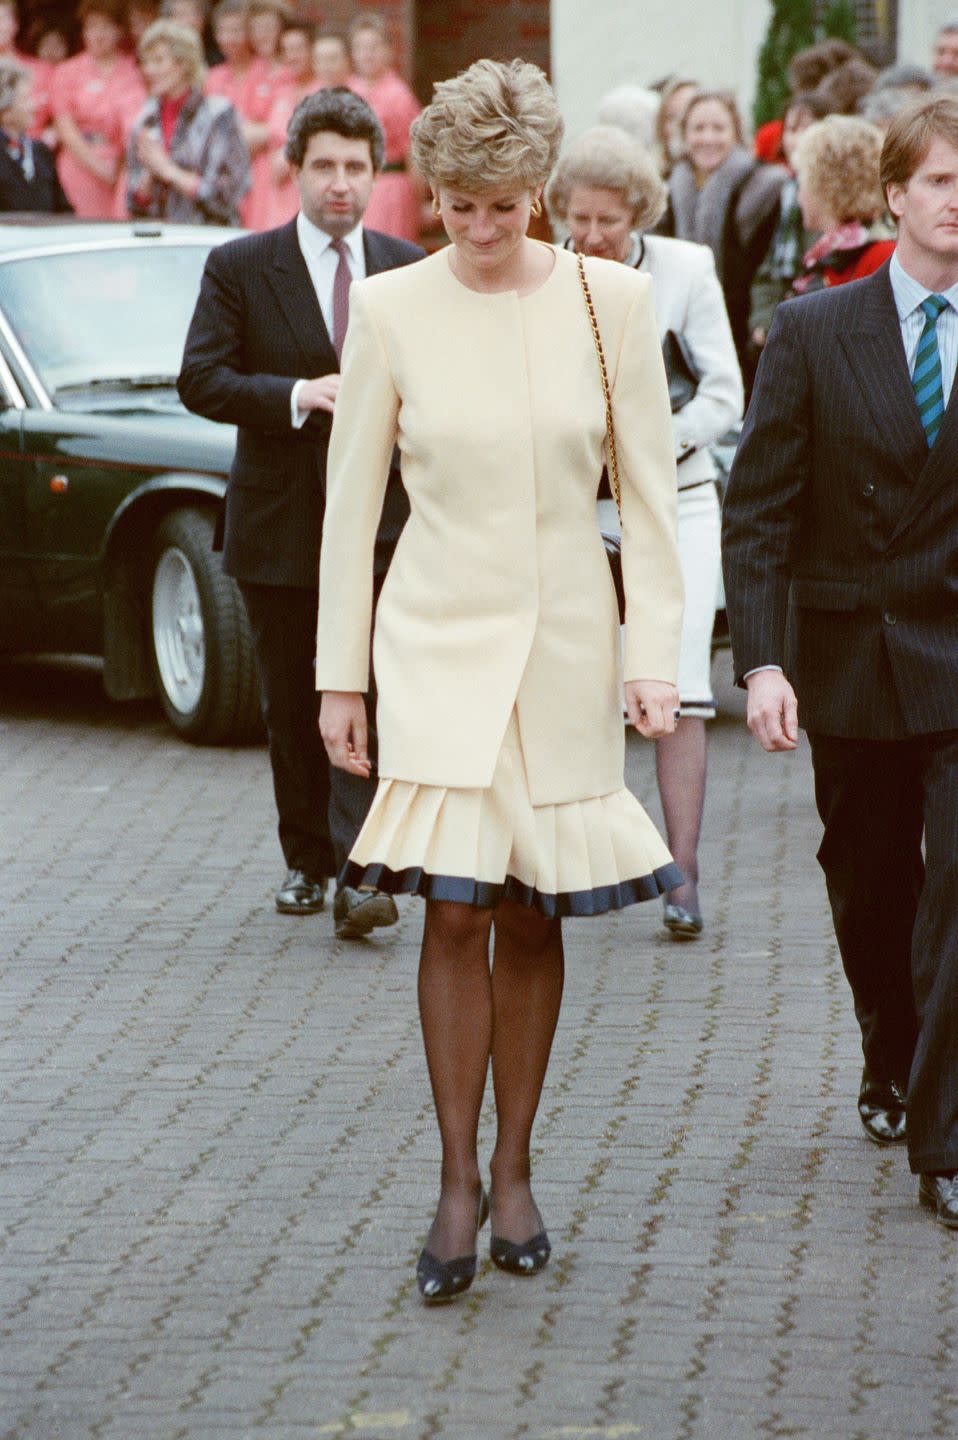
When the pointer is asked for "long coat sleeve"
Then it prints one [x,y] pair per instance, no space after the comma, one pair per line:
[499,595]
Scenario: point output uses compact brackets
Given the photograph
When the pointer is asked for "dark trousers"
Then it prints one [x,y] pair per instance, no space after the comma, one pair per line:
[321,809]
[896,915]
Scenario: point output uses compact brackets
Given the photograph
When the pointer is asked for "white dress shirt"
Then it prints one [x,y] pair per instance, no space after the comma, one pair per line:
[322,262]
[909,294]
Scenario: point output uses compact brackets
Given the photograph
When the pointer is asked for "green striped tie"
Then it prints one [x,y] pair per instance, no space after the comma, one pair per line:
[926,376]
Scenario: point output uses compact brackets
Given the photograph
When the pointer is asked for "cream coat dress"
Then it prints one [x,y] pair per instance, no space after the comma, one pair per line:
[501,744]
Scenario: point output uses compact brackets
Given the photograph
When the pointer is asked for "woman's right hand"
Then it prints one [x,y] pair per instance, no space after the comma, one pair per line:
[342,724]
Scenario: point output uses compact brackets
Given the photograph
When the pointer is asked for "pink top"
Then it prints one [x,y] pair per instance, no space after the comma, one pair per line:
[262,94]
[395,107]
[101,103]
[237,87]
[394,204]
[283,197]
[42,72]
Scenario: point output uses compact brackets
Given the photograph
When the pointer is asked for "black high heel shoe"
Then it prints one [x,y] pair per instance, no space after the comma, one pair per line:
[527,1258]
[442,1280]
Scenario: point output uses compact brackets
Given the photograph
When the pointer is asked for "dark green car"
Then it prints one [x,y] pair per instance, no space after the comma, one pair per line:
[109,489]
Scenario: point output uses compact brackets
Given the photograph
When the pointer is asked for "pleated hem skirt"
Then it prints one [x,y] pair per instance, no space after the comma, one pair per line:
[477,847]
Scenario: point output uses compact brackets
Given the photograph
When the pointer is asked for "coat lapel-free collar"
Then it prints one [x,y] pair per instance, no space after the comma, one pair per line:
[873,346]
[291,283]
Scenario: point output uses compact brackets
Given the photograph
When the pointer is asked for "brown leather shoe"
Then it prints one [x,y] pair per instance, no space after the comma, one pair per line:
[301,894]
[881,1109]
[940,1193]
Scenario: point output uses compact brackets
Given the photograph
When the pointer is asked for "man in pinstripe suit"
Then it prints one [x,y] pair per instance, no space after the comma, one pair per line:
[841,566]
[263,354]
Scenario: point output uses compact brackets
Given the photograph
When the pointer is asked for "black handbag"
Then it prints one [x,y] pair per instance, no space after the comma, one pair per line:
[612,543]
[682,375]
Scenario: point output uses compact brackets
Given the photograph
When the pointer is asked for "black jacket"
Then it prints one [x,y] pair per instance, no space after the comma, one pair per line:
[256,329]
[43,195]
[837,506]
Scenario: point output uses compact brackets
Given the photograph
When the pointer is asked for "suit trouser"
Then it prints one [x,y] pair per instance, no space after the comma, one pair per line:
[321,809]
[896,915]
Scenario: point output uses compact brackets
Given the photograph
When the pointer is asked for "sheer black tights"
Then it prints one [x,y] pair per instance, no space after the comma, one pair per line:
[680,768]
[470,1014]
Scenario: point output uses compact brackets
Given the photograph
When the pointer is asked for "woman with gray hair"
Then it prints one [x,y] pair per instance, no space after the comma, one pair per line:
[606,192]
[28,175]
[188,161]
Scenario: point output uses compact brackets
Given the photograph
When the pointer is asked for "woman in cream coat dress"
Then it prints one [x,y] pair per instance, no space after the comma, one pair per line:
[606,191]
[501,797]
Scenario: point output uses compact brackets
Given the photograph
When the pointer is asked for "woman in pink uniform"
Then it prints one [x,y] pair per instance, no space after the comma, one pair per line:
[94,95]
[41,70]
[266,20]
[296,47]
[398,193]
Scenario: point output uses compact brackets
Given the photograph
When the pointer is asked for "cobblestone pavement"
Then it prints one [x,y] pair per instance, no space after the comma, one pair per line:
[219,1159]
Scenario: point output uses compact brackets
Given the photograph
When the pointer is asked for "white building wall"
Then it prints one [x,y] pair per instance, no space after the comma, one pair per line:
[918,22]
[598,44]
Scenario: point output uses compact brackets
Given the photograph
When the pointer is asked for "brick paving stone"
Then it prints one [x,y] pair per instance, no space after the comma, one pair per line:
[218,1159]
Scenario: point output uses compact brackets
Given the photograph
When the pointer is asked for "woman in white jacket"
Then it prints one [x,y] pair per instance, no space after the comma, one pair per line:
[606,192]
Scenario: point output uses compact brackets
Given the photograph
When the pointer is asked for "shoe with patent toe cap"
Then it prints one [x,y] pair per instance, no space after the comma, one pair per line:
[301,894]
[940,1193]
[881,1109]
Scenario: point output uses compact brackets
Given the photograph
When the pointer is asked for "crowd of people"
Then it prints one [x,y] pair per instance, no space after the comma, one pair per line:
[169,111]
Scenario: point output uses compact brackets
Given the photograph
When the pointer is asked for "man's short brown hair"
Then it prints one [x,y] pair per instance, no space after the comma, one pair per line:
[910,136]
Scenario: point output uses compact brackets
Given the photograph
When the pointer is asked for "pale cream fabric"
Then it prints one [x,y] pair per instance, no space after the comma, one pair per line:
[499,593]
[601,853]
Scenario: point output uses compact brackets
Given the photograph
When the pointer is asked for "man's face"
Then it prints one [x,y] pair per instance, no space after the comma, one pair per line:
[927,207]
[944,54]
[335,182]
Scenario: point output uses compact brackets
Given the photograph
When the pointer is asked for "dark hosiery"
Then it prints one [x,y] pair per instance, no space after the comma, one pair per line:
[680,768]
[527,977]
[468,1014]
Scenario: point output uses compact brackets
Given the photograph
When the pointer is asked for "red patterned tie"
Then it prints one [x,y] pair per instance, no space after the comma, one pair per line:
[341,286]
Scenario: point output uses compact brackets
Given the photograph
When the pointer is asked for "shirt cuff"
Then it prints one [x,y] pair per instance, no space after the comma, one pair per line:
[297,416]
[759,668]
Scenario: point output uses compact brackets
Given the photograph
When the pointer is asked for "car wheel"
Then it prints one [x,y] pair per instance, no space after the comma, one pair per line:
[201,647]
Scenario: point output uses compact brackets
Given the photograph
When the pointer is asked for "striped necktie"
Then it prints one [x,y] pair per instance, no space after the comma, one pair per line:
[341,284]
[926,376]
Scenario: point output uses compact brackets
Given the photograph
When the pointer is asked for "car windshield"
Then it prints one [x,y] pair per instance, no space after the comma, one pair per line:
[92,316]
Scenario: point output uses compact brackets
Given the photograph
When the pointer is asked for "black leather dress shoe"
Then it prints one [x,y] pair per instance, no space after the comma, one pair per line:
[301,894]
[357,912]
[940,1193]
[881,1109]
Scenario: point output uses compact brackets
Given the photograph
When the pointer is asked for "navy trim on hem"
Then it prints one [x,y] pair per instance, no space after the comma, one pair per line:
[485,895]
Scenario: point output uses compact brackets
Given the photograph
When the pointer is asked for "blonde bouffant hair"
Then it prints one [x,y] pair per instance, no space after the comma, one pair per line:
[495,124]
[837,160]
[606,158]
[183,44]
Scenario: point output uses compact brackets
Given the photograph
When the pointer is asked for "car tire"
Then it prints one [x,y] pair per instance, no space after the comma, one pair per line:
[201,648]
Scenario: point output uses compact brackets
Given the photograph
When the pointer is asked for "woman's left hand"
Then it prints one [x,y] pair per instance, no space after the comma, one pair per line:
[653,707]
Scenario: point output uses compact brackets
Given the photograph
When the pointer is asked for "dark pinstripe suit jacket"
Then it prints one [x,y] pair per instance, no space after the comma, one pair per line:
[256,329]
[840,528]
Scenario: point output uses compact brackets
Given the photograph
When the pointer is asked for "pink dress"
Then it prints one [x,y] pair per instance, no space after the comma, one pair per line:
[42,72]
[283,199]
[394,205]
[263,93]
[98,103]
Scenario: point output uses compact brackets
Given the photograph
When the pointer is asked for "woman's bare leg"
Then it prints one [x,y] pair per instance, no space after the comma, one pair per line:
[455,1007]
[527,978]
[680,768]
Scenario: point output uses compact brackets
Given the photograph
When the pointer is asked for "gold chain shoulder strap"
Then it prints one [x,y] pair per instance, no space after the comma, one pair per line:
[613,457]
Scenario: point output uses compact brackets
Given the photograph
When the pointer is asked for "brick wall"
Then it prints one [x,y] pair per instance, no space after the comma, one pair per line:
[450,34]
